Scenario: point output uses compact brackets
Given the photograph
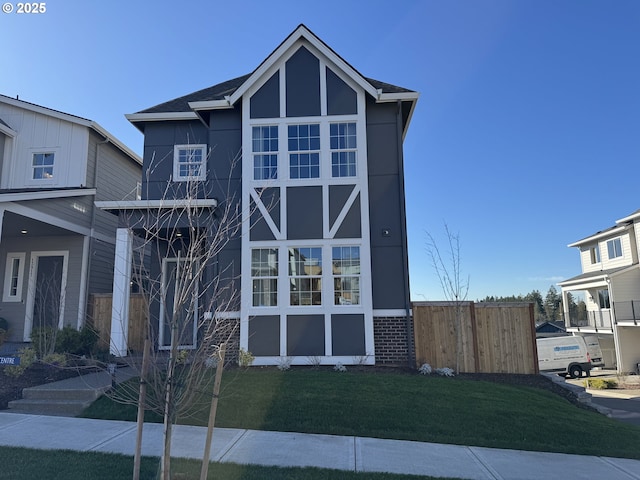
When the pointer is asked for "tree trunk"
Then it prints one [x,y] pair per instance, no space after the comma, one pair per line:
[165,473]
[212,413]
[142,398]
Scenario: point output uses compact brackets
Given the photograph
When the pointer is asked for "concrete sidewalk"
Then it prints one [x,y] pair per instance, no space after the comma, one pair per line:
[308,450]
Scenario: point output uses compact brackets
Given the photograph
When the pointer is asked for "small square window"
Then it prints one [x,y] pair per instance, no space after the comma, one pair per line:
[614,248]
[189,162]
[42,166]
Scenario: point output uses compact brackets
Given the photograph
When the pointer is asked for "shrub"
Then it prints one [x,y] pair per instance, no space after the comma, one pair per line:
[55,359]
[76,342]
[425,369]
[245,358]
[339,367]
[445,372]
[600,383]
[27,358]
[43,340]
[4,329]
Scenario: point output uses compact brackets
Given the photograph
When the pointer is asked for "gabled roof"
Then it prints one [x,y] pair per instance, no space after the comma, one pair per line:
[611,231]
[69,118]
[226,94]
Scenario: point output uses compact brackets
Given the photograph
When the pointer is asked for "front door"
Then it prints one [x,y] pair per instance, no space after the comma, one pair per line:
[46,294]
[178,303]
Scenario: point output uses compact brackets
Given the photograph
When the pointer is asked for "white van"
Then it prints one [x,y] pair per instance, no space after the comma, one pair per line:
[595,352]
[567,355]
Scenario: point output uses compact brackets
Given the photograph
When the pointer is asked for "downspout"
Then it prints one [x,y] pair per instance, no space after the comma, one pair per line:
[403,238]
[86,260]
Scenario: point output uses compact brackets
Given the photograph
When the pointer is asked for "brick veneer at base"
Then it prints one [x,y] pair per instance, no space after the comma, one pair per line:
[390,339]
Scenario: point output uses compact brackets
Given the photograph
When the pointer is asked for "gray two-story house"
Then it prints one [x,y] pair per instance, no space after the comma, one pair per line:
[56,247]
[309,152]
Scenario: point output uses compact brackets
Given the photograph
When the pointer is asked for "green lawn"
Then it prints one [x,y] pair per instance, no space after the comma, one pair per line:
[406,407]
[67,465]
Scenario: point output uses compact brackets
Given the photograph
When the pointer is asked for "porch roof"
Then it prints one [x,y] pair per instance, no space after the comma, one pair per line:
[585,280]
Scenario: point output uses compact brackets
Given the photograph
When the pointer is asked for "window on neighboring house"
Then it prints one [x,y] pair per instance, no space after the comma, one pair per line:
[189,162]
[614,248]
[304,151]
[595,254]
[346,275]
[265,152]
[13,277]
[42,166]
[264,275]
[305,276]
[343,149]
[603,298]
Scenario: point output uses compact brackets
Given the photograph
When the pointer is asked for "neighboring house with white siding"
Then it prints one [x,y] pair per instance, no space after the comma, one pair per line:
[56,247]
[610,284]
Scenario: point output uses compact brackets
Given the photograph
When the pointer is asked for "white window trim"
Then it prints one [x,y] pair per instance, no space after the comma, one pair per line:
[283,181]
[612,243]
[6,295]
[163,286]
[54,180]
[275,277]
[176,164]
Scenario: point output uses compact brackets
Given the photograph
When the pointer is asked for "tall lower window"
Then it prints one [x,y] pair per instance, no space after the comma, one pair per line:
[189,162]
[346,275]
[264,277]
[305,276]
[42,166]
[342,138]
[265,152]
[304,151]
[13,277]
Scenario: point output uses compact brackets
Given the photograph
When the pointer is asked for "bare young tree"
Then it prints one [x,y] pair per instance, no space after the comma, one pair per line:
[454,286]
[189,293]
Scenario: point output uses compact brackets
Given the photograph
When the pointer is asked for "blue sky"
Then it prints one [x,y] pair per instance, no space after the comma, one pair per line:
[526,136]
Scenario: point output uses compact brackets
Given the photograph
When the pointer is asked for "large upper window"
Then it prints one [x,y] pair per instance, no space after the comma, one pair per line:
[265,152]
[343,149]
[304,151]
[305,276]
[614,248]
[346,275]
[189,162]
[42,166]
[264,277]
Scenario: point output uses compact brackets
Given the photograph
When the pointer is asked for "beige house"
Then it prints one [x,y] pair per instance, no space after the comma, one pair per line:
[610,286]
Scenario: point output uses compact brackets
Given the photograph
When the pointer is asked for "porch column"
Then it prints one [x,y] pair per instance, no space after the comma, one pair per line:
[121,289]
[565,309]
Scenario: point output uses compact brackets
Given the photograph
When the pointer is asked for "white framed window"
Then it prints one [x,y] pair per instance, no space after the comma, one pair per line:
[595,254]
[189,162]
[264,145]
[346,275]
[264,277]
[305,276]
[343,144]
[13,277]
[304,150]
[614,248]
[42,166]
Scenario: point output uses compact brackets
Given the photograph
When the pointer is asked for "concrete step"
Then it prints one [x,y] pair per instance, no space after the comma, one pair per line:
[64,408]
[85,394]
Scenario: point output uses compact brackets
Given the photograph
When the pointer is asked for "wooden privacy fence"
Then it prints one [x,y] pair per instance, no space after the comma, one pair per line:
[494,337]
[100,317]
